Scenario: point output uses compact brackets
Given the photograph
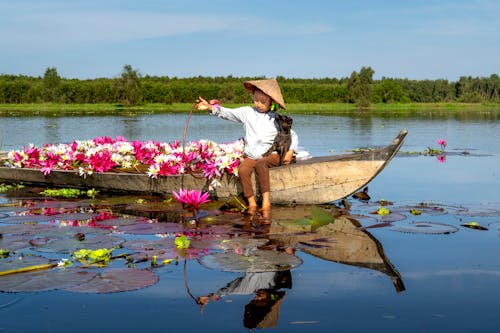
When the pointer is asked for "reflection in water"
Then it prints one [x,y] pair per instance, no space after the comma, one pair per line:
[268,289]
[131,128]
[51,129]
[342,241]
[263,248]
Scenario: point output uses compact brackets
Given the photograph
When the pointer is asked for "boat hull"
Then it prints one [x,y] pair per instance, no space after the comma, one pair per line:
[317,180]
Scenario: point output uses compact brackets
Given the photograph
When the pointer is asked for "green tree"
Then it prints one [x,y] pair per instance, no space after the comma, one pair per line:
[360,87]
[128,88]
[51,82]
[388,91]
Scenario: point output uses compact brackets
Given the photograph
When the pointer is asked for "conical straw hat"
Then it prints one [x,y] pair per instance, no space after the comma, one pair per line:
[270,87]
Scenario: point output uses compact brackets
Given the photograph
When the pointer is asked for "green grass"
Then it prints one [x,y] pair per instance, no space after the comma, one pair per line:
[54,109]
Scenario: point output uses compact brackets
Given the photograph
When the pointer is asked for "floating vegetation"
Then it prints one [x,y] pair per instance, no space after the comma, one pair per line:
[4,253]
[421,208]
[431,228]
[473,225]
[45,280]
[361,150]
[432,152]
[69,193]
[480,210]
[182,242]
[382,211]
[99,256]
[98,246]
[77,237]
[257,261]
[7,187]
[116,280]
[414,211]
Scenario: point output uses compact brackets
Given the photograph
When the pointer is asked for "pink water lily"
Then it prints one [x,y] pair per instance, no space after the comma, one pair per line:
[102,154]
[191,198]
[442,143]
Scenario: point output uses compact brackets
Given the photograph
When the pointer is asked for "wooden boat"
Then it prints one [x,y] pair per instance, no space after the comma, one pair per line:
[316,180]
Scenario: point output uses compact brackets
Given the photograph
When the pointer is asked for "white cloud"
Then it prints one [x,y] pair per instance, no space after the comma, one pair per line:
[69,28]
[51,28]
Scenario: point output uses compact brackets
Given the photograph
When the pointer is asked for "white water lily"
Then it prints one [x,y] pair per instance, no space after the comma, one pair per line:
[64,263]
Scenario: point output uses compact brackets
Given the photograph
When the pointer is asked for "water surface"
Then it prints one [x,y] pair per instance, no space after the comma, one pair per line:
[451,280]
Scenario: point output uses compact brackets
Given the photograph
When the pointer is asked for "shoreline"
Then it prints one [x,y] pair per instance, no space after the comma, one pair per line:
[55,109]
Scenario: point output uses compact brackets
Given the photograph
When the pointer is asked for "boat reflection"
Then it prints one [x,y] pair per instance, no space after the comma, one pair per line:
[341,241]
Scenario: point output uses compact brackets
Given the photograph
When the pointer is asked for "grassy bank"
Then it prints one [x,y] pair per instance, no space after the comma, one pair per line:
[292,108]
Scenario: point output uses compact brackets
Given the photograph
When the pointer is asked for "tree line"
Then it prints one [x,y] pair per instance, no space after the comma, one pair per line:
[131,88]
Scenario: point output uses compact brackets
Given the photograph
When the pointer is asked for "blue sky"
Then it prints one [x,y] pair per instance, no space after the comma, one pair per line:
[419,39]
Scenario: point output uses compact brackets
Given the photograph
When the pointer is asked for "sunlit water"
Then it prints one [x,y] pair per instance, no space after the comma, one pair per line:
[452,280]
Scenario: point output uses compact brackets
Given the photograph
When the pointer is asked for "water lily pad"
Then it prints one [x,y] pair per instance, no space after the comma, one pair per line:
[474,225]
[74,217]
[119,221]
[146,244]
[117,280]
[14,242]
[257,261]
[150,228]
[424,228]
[25,229]
[72,244]
[16,262]
[484,210]
[424,209]
[209,242]
[242,243]
[44,280]
[393,217]
[23,219]
[69,232]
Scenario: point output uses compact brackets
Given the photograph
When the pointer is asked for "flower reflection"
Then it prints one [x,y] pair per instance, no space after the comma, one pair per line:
[441,158]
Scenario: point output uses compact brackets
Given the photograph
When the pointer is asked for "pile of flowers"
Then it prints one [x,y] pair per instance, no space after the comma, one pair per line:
[104,154]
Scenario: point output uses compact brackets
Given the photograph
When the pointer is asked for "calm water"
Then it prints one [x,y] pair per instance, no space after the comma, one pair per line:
[452,281]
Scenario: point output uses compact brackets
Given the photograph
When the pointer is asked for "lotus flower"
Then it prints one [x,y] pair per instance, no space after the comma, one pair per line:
[102,154]
[191,198]
[442,143]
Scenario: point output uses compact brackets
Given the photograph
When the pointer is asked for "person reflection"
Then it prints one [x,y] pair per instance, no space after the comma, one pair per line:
[268,289]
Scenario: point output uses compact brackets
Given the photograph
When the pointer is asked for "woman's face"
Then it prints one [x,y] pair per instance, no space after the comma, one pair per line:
[261,101]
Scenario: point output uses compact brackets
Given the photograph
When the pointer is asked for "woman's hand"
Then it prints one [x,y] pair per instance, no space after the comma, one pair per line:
[202,104]
[288,157]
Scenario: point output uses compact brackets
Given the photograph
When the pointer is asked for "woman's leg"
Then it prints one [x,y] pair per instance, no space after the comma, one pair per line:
[245,170]
[262,172]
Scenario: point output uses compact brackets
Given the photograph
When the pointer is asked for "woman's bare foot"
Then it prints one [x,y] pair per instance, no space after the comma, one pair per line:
[252,202]
[266,201]
[251,210]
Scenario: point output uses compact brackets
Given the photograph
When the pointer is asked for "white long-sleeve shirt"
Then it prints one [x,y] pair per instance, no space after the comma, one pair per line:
[260,128]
